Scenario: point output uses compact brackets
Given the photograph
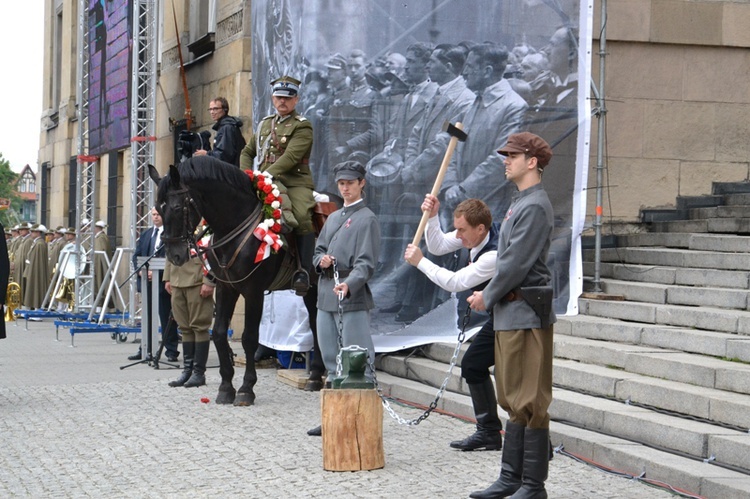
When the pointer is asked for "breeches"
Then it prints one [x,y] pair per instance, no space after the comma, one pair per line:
[356,331]
[523,375]
[192,312]
[480,356]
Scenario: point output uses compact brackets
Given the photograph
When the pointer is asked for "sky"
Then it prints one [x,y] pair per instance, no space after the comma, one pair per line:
[22,36]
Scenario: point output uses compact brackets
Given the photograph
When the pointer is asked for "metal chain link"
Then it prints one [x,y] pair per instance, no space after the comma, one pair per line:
[371,365]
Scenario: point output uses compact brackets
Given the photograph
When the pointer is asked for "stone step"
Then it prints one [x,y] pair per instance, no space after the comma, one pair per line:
[672,365]
[720,225]
[700,402]
[672,257]
[707,403]
[664,239]
[730,211]
[677,295]
[738,279]
[634,424]
[737,199]
[706,318]
[720,242]
[720,345]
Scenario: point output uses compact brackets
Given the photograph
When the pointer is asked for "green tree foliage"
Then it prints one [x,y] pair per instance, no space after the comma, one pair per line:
[8,179]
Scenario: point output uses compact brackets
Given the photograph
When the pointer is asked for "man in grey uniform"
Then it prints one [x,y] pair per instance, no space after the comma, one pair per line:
[520,296]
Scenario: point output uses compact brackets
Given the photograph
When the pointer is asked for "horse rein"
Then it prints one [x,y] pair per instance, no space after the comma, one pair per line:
[252,220]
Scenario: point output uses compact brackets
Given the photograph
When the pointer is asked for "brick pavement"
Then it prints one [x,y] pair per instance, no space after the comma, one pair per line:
[73,424]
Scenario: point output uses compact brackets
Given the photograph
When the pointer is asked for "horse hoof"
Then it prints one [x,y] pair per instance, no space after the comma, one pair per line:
[244,399]
[225,397]
[314,385]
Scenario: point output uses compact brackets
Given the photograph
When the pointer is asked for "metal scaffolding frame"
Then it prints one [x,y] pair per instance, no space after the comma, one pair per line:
[143,119]
[87,167]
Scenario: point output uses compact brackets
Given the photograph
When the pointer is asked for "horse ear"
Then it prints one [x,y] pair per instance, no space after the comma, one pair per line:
[174,175]
[154,174]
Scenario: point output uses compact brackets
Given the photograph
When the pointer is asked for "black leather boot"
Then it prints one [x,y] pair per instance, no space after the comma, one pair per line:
[305,249]
[198,378]
[188,352]
[511,468]
[535,464]
[488,434]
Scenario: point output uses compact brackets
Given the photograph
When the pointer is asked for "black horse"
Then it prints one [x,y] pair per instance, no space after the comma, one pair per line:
[223,195]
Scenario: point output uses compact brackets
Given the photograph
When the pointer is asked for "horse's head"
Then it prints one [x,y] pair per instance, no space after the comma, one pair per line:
[179,214]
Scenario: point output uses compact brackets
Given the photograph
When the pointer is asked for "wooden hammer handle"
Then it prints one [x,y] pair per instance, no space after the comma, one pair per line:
[438,183]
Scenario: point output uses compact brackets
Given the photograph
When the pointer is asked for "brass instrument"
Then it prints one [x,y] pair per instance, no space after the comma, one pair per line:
[12,300]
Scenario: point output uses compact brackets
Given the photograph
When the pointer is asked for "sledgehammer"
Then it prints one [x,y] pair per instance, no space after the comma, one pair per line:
[457,133]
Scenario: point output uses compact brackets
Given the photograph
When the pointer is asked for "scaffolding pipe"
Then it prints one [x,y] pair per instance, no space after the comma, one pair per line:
[601,115]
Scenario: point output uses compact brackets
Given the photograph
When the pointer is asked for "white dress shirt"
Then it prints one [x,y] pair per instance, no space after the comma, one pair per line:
[440,243]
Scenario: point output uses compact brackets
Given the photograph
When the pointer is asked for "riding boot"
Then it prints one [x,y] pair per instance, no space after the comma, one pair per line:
[511,467]
[305,249]
[535,464]
[489,426]
[199,365]
[188,352]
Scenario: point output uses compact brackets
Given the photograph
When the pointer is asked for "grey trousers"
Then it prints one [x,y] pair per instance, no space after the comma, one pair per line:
[356,331]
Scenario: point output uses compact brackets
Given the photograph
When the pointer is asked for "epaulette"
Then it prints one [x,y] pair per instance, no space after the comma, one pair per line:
[268,117]
[300,118]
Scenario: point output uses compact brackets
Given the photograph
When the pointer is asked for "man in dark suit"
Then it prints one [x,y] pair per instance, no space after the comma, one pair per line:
[150,244]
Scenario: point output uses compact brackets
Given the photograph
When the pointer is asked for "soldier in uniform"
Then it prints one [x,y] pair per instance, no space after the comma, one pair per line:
[101,248]
[36,270]
[281,146]
[54,247]
[20,253]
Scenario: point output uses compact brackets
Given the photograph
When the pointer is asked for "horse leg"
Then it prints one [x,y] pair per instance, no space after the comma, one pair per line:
[250,337]
[317,367]
[226,298]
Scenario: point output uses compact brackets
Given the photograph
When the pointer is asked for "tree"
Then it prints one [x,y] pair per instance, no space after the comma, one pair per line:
[8,179]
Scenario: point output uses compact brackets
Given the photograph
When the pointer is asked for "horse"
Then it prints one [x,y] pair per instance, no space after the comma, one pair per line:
[207,188]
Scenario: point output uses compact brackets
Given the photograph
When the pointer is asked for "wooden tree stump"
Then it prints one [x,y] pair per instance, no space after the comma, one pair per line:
[352,430]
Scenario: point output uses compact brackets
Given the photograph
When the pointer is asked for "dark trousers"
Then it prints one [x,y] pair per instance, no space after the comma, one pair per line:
[480,356]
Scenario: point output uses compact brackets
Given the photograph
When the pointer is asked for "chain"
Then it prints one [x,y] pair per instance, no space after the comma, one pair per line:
[439,394]
[356,348]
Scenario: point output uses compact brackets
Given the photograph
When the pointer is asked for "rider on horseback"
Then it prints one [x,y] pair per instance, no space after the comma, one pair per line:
[281,146]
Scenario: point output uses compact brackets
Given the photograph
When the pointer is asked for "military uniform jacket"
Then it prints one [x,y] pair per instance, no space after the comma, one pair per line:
[36,274]
[185,276]
[523,247]
[282,146]
[352,236]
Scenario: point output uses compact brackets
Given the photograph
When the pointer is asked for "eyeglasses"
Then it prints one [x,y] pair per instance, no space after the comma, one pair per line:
[214,109]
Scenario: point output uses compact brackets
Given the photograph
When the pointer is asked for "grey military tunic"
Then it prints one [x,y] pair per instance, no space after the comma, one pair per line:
[352,236]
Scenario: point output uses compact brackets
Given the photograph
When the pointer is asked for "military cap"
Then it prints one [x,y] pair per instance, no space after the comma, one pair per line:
[59,229]
[24,226]
[529,144]
[70,230]
[39,228]
[348,170]
[286,86]
[337,61]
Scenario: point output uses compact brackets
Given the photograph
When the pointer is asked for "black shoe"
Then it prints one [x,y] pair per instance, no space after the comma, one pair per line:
[301,282]
[171,358]
[135,357]
[315,432]
[393,307]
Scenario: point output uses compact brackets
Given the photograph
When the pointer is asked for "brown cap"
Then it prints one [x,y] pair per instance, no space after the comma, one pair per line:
[528,143]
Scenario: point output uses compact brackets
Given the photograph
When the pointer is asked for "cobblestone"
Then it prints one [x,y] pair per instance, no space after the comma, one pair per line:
[74,424]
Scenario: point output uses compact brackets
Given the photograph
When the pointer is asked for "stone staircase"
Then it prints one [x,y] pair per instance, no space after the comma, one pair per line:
[656,381]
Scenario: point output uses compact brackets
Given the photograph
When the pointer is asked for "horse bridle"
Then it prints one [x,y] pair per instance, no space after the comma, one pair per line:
[252,220]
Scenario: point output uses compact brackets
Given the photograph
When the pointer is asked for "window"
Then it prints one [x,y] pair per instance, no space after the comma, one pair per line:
[202,25]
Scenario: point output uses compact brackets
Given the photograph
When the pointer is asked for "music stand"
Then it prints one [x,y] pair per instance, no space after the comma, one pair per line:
[149,353]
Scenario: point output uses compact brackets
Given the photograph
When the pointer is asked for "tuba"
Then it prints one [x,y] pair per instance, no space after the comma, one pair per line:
[12,300]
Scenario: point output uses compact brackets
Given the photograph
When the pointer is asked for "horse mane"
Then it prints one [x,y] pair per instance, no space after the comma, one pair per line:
[207,169]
